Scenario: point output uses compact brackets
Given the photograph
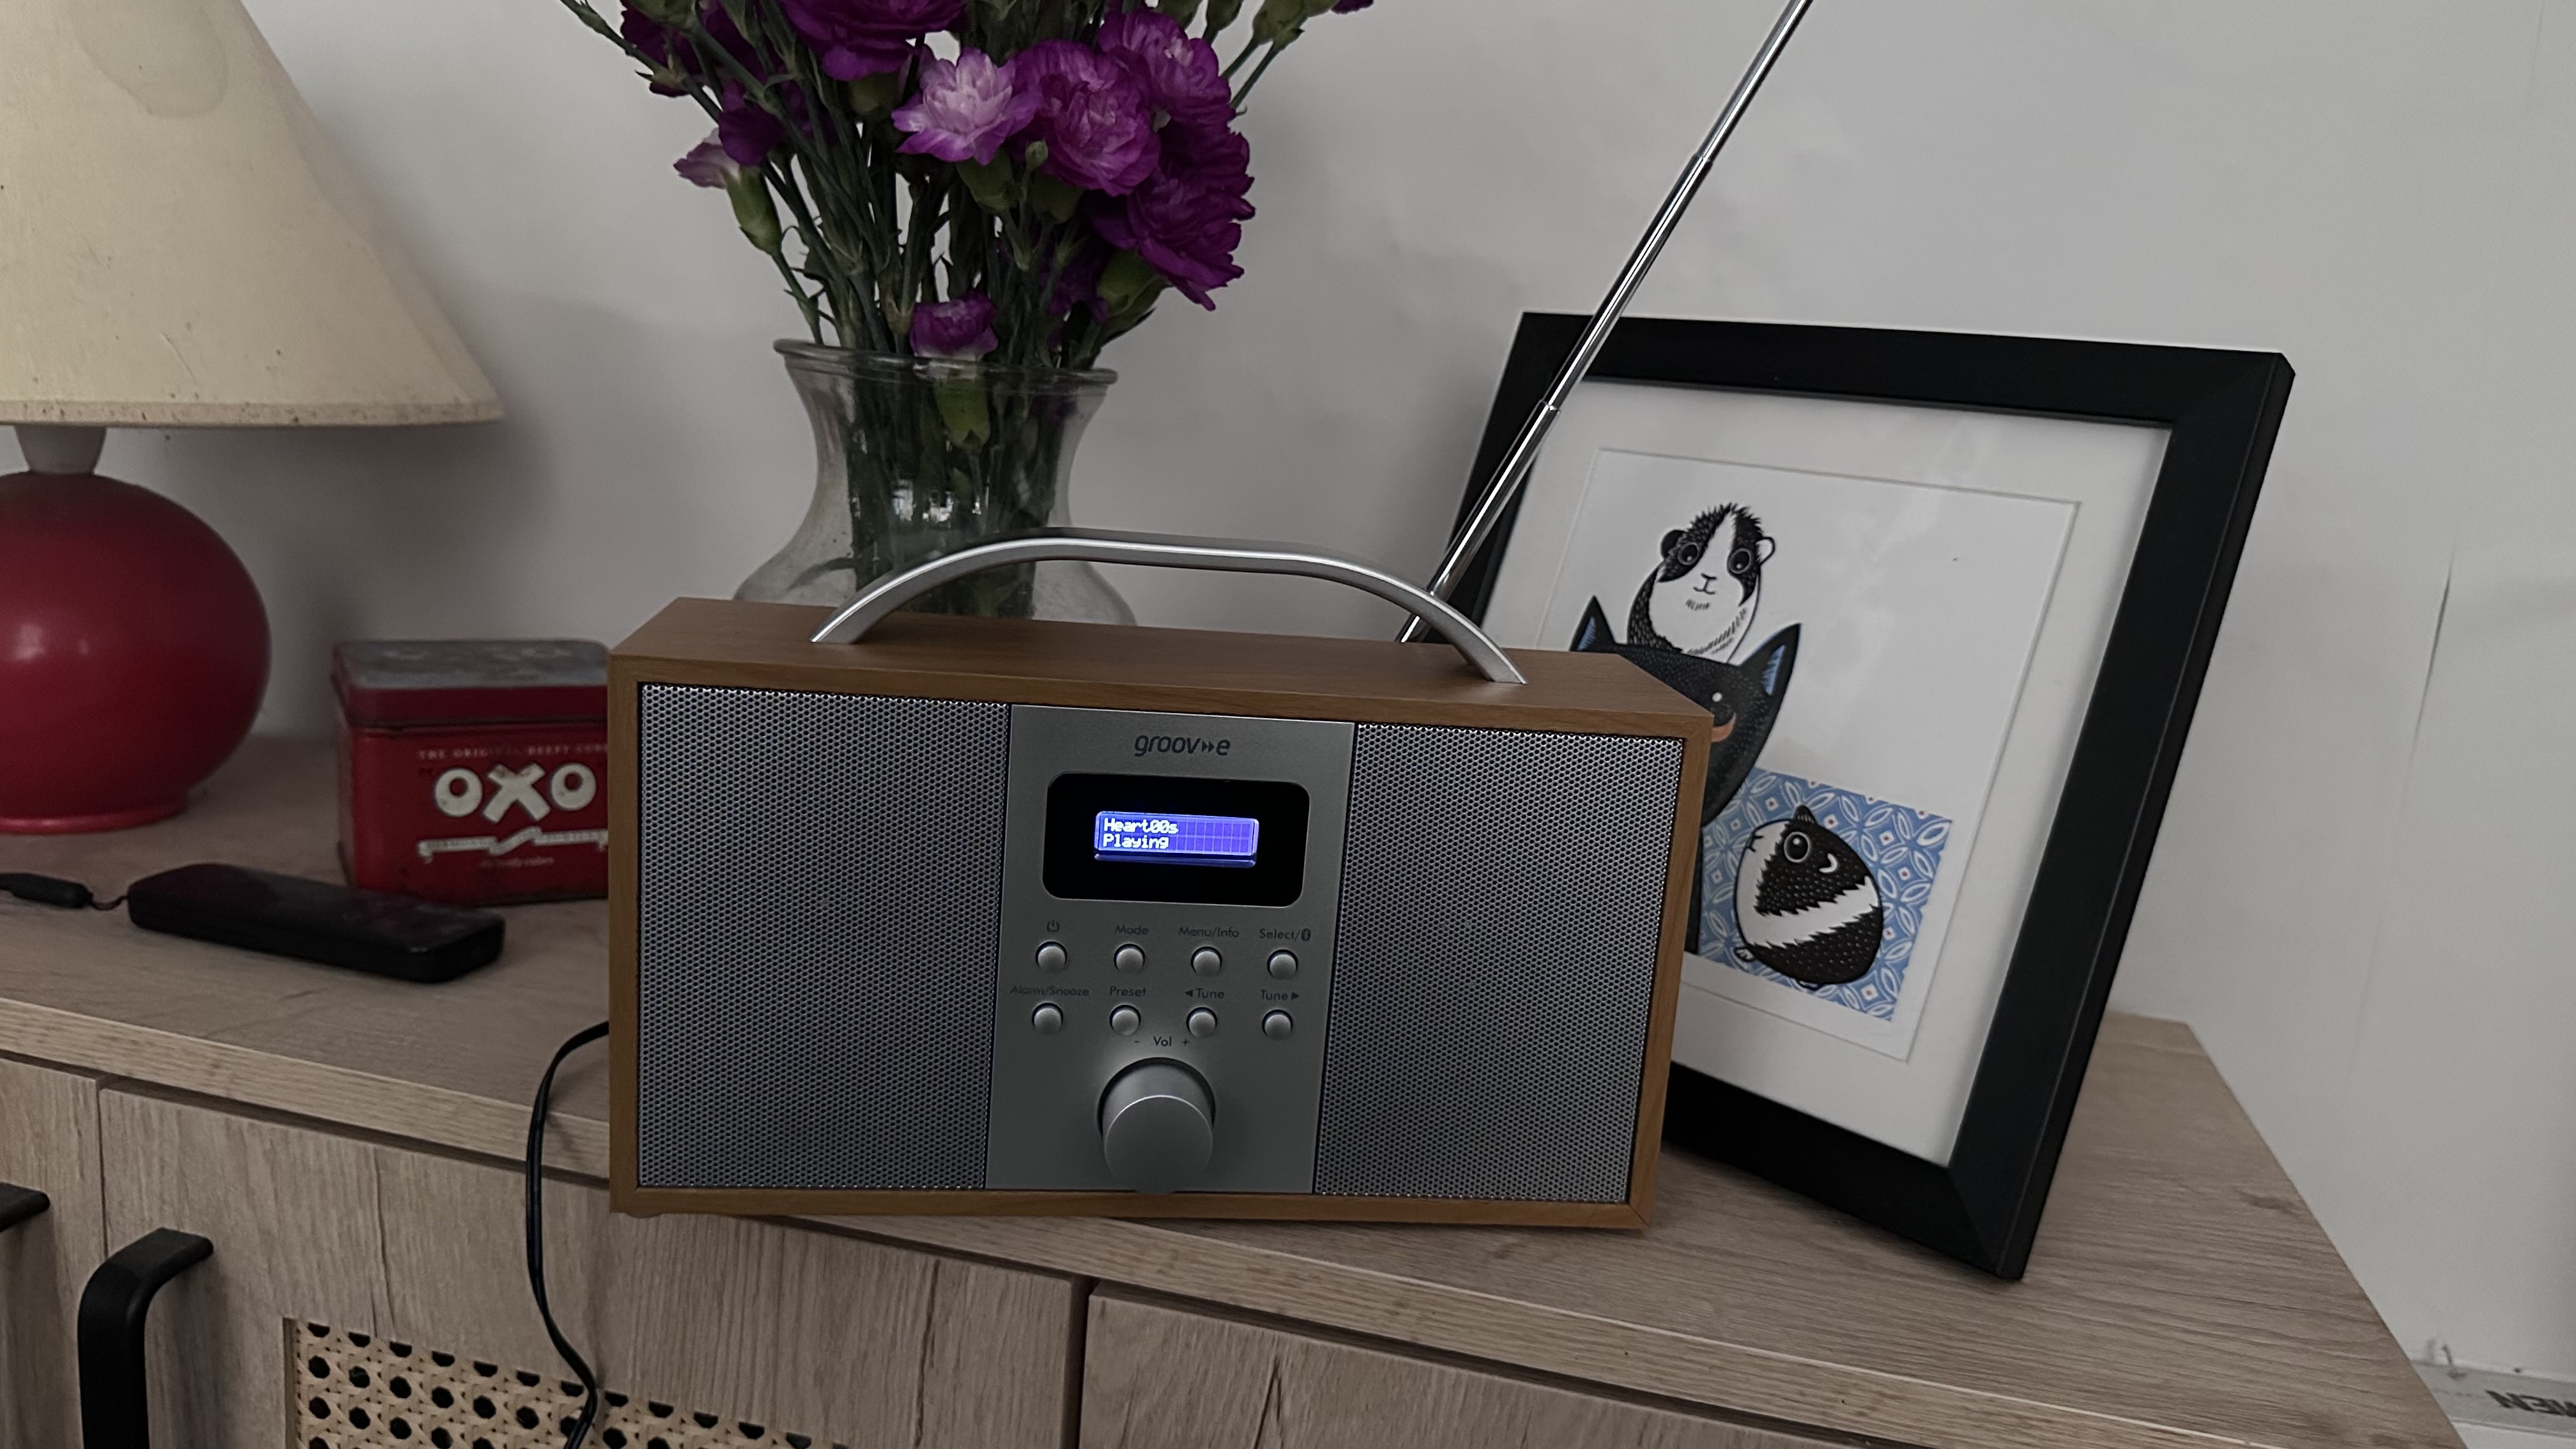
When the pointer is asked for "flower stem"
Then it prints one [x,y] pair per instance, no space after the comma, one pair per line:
[1255,78]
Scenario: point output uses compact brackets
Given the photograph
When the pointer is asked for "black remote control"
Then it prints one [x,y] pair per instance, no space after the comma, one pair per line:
[311,920]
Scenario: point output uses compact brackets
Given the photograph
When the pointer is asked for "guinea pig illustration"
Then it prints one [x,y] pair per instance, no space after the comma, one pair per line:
[1806,904]
[1703,593]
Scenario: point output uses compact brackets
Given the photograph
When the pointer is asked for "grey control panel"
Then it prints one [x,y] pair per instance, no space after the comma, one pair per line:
[1169,889]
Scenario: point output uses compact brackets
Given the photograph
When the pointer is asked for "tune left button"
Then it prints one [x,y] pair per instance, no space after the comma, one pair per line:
[1202,1022]
[1048,1019]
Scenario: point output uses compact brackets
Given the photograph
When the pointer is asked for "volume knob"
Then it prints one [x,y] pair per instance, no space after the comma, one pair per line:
[1157,1126]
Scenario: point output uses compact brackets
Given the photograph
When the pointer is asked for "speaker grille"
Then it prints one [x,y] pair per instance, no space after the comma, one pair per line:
[1494,968]
[819,909]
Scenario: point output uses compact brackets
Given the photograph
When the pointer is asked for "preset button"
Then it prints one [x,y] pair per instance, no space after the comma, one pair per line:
[1125,1019]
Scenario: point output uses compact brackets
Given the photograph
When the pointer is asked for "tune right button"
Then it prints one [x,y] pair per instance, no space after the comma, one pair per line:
[1283,964]
[1278,1026]
[1125,1019]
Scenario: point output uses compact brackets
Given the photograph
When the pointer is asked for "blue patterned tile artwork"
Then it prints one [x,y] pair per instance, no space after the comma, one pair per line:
[1901,845]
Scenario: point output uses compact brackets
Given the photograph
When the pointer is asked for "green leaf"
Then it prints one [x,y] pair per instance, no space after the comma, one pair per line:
[1055,199]
[1183,11]
[874,95]
[961,408]
[1129,284]
[991,186]
[1220,14]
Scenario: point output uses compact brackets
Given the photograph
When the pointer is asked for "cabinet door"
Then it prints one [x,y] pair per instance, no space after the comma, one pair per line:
[370,1295]
[1156,1377]
[49,1142]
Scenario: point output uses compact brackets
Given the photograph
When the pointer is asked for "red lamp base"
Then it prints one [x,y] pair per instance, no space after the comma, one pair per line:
[133,653]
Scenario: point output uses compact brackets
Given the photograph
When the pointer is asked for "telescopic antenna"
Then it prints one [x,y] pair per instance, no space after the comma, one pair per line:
[1507,480]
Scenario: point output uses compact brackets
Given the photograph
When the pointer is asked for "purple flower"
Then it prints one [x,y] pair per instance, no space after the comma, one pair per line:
[961,328]
[708,164]
[670,51]
[1211,156]
[1182,75]
[747,132]
[967,107]
[1187,218]
[1093,114]
[868,37]
[659,44]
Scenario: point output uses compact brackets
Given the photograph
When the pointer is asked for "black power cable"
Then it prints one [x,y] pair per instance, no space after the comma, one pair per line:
[48,890]
[536,1231]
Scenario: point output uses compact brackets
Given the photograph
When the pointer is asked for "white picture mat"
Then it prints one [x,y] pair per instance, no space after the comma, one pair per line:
[1918,607]
[1911,1100]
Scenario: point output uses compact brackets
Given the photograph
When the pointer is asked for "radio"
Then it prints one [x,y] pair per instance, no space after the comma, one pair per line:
[931,914]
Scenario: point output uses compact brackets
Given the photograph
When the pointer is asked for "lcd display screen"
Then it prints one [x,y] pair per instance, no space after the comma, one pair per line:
[1172,838]
[1176,838]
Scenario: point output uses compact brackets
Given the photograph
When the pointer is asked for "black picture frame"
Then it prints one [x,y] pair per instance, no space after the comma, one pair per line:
[2222,410]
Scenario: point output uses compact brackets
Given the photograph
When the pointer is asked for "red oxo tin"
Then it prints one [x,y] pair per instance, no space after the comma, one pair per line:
[474,771]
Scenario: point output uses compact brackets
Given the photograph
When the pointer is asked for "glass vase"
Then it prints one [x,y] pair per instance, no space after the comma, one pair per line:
[916,456]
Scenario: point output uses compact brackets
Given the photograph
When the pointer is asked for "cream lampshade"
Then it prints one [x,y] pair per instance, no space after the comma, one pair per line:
[179,247]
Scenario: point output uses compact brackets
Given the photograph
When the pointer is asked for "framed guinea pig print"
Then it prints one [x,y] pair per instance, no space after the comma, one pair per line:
[1948,600]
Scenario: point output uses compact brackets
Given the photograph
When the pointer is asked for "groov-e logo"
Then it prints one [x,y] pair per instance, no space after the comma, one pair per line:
[1182,745]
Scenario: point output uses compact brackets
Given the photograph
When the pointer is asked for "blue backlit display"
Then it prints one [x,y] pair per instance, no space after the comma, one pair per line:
[1176,839]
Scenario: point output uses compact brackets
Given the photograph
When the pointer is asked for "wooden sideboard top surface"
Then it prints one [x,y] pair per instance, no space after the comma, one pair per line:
[2180,1293]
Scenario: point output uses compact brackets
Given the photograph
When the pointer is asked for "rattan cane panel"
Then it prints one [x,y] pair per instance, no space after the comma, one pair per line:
[357,1391]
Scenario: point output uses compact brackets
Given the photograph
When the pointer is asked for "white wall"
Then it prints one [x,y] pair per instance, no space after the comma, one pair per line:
[2359,896]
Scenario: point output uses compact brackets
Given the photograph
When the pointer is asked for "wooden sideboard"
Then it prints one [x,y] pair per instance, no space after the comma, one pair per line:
[349,1145]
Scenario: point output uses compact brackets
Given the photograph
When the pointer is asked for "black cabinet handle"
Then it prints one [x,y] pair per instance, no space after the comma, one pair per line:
[115,1412]
[17,1204]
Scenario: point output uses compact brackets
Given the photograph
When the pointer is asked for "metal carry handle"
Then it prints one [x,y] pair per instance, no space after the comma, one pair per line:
[1092,545]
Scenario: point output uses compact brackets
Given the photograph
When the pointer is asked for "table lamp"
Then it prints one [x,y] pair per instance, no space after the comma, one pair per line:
[179,247]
